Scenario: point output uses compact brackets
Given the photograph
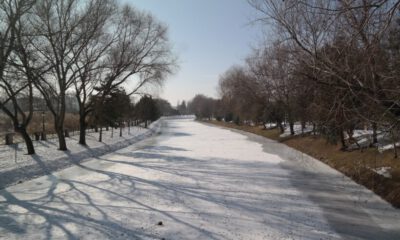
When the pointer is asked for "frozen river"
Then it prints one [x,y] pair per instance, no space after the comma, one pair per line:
[194,181]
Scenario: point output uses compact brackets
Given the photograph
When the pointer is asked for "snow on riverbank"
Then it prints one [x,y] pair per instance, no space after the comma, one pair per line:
[360,137]
[384,171]
[16,166]
[298,129]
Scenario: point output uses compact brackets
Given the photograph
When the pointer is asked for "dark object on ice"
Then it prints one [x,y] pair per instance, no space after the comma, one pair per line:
[160,223]
[20,181]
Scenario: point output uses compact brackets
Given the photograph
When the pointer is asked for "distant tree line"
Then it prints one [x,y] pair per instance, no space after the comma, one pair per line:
[119,110]
[330,64]
[90,49]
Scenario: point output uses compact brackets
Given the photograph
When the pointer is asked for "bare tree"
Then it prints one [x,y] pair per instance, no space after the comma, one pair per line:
[241,92]
[63,30]
[140,55]
[13,83]
[361,76]
[202,107]
[90,63]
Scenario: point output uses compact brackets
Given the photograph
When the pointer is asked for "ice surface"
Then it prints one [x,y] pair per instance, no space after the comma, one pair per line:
[201,182]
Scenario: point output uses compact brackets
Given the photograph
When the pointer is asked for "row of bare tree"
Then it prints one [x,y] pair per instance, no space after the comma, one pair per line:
[332,64]
[90,48]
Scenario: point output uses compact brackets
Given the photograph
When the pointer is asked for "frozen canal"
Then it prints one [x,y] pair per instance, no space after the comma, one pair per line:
[194,181]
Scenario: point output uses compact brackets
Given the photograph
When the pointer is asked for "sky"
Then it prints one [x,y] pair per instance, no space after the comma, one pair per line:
[208,37]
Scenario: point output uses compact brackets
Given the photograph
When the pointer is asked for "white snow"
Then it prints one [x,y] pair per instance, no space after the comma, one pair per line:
[201,182]
[270,125]
[383,171]
[358,133]
[364,139]
[388,147]
[297,130]
[16,166]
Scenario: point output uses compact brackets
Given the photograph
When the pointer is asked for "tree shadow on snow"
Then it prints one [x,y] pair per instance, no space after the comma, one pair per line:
[58,213]
[330,192]
[212,182]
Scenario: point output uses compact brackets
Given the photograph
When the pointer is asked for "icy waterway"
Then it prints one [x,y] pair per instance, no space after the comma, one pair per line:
[195,181]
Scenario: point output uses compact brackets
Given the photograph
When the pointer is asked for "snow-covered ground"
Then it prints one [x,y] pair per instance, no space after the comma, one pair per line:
[364,139]
[194,181]
[383,171]
[270,125]
[16,166]
[297,130]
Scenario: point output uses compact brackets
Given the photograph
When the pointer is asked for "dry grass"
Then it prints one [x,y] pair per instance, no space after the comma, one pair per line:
[71,122]
[356,164]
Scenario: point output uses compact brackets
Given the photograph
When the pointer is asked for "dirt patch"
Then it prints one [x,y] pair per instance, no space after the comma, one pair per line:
[358,165]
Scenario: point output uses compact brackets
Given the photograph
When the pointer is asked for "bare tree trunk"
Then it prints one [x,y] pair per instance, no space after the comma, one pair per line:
[62,145]
[303,126]
[374,133]
[291,126]
[342,140]
[59,127]
[27,139]
[282,129]
[82,129]
[394,140]
[21,129]
[314,128]
[120,129]
[59,118]
[101,134]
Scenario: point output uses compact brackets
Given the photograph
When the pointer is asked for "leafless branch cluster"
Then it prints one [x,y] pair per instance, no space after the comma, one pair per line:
[329,63]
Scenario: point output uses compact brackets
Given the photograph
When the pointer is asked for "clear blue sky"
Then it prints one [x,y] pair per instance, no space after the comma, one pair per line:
[209,36]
